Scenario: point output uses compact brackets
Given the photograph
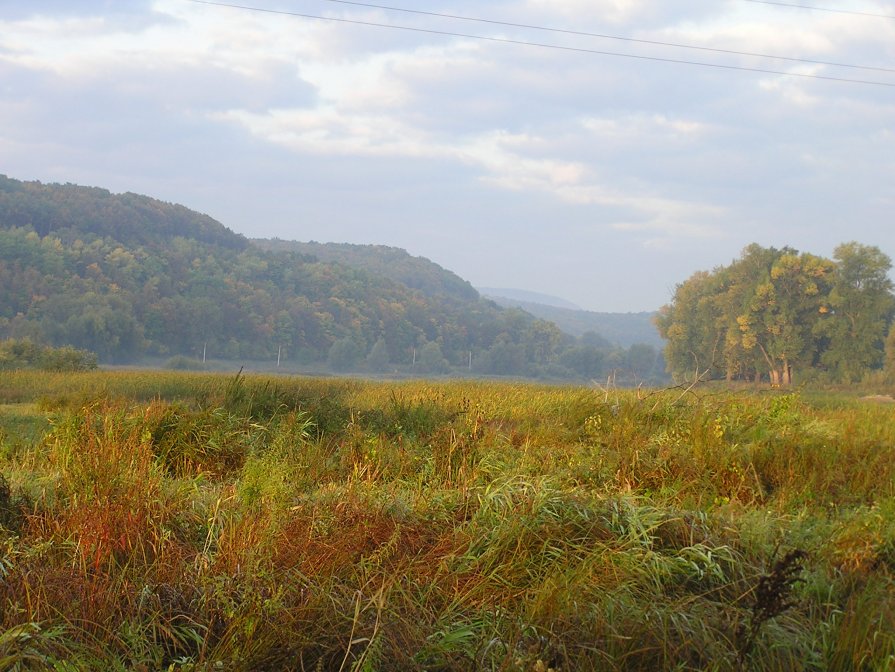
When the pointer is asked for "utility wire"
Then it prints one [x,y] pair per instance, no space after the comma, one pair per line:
[543,45]
[609,37]
[822,9]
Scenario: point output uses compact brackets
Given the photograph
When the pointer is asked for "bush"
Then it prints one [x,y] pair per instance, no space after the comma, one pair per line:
[182,363]
[25,354]
[67,358]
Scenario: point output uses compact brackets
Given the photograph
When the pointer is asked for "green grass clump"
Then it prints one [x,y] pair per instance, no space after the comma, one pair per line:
[183,521]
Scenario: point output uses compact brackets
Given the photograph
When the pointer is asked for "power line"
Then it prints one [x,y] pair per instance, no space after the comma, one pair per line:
[580,50]
[564,31]
[822,9]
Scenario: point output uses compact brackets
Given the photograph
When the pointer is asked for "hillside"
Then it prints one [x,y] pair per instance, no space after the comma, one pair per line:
[389,262]
[128,277]
[68,211]
[125,275]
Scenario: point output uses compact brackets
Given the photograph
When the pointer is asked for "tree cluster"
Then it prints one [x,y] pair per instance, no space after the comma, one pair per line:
[775,311]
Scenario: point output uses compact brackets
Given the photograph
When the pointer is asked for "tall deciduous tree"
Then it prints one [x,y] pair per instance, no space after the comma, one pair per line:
[690,324]
[741,278]
[858,312]
[781,317]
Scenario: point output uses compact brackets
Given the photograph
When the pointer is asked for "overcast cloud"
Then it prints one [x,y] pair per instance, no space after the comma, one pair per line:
[601,179]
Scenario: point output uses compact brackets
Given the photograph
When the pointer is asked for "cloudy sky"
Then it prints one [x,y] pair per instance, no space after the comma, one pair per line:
[585,164]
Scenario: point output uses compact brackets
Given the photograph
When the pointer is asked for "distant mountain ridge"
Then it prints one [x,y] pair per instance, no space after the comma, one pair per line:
[526,296]
[622,329]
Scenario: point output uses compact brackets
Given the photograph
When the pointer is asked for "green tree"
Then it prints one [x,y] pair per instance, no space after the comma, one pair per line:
[378,358]
[344,355]
[642,358]
[504,358]
[858,311]
[541,339]
[890,353]
[430,359]
[691,325]
[595,340]
[283,330]
[738,289]
[781,318]
[585,361]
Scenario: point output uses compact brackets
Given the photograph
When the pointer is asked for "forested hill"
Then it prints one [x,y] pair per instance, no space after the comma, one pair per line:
[389,262]
[127,276]
[70,211]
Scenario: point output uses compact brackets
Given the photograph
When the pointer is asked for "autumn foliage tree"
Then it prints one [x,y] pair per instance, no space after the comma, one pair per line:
[773,312]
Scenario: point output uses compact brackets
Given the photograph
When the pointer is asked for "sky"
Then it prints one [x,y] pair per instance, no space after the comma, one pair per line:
[589,163]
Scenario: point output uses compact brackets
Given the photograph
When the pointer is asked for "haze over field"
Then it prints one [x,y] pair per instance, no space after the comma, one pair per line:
[600,178]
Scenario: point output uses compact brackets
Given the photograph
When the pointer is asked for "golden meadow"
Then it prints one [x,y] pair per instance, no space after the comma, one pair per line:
[167,521]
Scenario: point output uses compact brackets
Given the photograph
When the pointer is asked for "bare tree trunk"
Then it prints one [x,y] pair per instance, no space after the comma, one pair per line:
[772,369]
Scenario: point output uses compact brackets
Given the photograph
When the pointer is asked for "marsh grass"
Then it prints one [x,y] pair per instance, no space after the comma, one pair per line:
[185,521]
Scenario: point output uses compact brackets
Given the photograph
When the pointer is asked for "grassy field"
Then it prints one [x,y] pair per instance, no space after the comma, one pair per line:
[166,521]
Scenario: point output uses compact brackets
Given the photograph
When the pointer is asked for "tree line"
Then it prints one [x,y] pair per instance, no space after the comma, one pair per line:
[777,313]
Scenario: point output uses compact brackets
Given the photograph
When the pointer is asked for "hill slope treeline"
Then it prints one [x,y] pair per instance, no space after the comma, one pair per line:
[125,276]
[388,262]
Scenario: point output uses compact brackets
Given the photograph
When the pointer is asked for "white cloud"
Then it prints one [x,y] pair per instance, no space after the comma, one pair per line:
[613,11]
[641,130]
[791,92]
[500,158]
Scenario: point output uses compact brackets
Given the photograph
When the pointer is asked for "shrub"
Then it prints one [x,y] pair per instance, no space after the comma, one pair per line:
[24,354]
[183,363]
